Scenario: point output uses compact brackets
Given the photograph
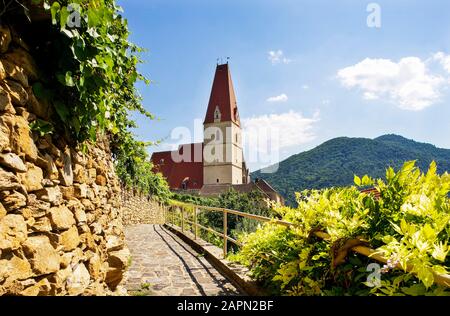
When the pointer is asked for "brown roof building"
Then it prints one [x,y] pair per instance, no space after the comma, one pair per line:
[217,164]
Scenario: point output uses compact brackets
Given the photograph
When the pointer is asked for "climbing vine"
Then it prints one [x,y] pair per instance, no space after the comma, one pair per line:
[91,71]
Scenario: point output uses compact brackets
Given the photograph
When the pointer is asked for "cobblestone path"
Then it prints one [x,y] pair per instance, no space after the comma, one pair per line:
[162,264]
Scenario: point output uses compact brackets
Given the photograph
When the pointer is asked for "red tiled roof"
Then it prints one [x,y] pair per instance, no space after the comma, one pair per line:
[189,169]
[264,186]
[217,189]
[222,95]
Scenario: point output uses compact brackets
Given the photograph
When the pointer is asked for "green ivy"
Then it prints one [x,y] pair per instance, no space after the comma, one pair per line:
[90,76]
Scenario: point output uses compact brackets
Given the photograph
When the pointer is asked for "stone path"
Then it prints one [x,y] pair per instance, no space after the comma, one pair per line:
[164,265]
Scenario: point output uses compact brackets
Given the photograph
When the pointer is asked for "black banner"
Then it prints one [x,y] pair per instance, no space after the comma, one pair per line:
[152,305]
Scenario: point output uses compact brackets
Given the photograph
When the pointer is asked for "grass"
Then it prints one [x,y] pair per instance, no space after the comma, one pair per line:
[145,290]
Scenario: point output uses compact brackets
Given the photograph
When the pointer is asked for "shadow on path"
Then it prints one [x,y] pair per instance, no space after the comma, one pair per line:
[220,283]
[186,266]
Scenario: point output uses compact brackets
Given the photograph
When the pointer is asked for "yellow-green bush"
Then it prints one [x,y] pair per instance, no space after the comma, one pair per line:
[408,224]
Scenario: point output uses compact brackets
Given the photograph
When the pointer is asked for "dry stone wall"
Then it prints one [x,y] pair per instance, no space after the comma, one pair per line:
[141,209]
[61,229]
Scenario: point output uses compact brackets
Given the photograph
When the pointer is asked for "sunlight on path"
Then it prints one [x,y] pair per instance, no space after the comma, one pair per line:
[163,264]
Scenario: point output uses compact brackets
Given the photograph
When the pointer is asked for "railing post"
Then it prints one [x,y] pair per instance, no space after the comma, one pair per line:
[182,219]
[225,228]
[172,215]
[195,223]
[166,218]
[164,214]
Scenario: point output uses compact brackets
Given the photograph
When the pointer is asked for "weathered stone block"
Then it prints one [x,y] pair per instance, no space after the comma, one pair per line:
[68,192]
[52,195]
[69,239]
[2,211]
[37,207]
[14,268]
[13,232]
[5,101]
[114,243]
[43,257]
[32,179]
[18,94]
[79,174]
[42,288]
[8,180]
[14,72]
[22,141]
[100,180]
[61,218]
[78,280]
[117,261]
[42,225]
[13,162]
[21,57]
[95,266]
[80,190]
[12,200]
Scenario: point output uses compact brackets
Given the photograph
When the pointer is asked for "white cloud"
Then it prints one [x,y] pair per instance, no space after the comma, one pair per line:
[280,130]
[325,102]
[443,59]
[277,57]
[279,98]
[407,83]
[305,87]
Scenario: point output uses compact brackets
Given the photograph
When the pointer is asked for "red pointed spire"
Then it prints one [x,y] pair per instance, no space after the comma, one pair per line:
[222,97]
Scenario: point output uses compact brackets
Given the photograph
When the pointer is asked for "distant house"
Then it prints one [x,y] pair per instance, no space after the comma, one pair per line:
[217,164]
[258,185]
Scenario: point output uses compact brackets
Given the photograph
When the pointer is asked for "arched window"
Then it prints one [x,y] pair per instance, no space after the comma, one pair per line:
[217,114]
[217,180]
[184,183]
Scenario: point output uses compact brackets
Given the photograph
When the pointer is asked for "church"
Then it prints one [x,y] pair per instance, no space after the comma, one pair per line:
[216,165]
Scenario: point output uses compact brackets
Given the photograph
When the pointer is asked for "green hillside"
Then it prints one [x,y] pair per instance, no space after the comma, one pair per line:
[335,162]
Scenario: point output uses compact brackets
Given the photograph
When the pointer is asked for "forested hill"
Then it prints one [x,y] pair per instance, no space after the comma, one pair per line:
[335,162]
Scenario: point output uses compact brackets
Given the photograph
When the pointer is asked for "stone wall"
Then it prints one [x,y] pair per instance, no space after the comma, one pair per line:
[61,227]
[141,209]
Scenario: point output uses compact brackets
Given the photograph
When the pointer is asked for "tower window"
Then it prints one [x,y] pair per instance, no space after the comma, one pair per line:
[217,181]
[217,114]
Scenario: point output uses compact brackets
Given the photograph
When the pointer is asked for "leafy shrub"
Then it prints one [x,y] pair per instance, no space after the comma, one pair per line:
[251,202]
[89,71]
[408,224]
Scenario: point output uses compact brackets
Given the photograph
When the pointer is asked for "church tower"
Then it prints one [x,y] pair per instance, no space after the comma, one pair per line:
[223,161]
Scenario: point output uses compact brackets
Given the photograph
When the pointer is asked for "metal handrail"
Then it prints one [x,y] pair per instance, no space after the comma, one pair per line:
[442,279]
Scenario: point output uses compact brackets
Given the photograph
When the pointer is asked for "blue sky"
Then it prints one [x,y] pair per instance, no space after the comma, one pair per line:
[312,68]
